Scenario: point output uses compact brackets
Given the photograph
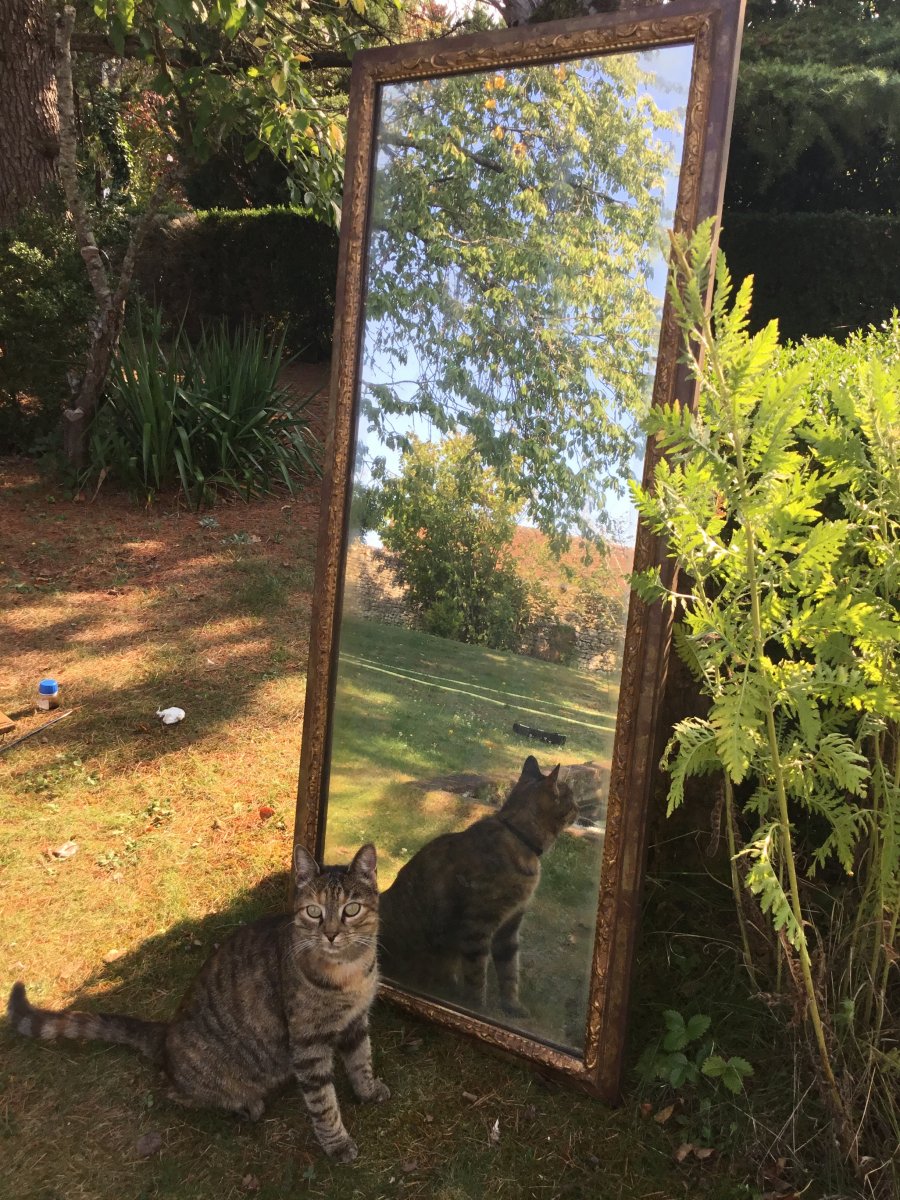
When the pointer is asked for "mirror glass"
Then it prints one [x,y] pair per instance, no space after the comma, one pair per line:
[513,301]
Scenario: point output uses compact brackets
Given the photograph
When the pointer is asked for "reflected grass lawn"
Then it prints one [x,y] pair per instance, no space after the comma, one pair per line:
[412,708]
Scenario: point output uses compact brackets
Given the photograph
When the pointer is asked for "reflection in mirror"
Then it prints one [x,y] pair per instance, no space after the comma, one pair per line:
[513,308]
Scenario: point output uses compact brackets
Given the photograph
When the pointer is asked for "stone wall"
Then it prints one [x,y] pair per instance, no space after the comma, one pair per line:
[372,592]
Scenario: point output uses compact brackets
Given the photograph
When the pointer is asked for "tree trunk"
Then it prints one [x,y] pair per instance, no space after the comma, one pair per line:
[110,301]
[29,125]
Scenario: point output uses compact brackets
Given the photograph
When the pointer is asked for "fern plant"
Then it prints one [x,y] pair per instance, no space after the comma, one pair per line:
[780,499]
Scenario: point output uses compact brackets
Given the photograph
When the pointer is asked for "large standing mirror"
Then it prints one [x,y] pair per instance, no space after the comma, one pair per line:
[483,693]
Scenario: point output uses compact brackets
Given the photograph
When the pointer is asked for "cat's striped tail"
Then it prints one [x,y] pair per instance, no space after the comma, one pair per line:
[145,1036]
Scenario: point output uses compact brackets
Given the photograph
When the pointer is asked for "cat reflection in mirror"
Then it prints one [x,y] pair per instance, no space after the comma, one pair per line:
[460,899]
[274,1002]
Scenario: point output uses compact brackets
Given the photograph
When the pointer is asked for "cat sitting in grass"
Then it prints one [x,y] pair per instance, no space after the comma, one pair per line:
[460,899]
[274,1002]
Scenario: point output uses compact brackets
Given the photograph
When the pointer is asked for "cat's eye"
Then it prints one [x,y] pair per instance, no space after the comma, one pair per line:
[352,910]
[313,910]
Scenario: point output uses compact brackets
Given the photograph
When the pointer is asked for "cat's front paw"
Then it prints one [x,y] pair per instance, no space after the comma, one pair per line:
[512,1008]
[344,1152]
[380,1092]
[251,1111]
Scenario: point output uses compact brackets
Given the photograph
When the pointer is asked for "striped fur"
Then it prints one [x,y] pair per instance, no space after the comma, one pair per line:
[276,1001]
[460,899]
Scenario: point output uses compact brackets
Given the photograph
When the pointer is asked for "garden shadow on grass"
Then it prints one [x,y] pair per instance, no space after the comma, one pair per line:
[122,722]
[150,980]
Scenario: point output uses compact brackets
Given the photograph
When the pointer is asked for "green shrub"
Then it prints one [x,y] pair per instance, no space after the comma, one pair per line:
[45,302]
[817,274]
[450,522]
[203,417]
[46,305]
[780,499]
[275,267]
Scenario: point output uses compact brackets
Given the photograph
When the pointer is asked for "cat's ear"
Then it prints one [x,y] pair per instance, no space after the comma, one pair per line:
[305,866]
[554,774]
[531,770]
[364,864]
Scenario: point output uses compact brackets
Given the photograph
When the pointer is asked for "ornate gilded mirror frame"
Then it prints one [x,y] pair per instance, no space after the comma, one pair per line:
[712,28]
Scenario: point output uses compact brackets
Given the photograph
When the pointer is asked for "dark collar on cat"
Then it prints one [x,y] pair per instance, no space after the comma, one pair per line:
[526,841]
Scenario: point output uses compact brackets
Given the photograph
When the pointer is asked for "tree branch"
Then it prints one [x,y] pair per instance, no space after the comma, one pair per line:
[97,43]
[407,143]
[68,161]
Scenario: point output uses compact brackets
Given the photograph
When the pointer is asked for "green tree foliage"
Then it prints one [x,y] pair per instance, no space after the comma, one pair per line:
[269,74]
[45,304]
[780,498]
[817,110]
[450,521]
[515,227]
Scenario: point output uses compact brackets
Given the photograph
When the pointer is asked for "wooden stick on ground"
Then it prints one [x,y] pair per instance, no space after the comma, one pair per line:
[31,733]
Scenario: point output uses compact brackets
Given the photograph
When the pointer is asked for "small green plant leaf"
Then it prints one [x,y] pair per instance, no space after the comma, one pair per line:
[714,1066]
[697,1026]
[736,1070]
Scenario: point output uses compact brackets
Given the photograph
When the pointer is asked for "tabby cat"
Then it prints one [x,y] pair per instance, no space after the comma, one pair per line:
[273,1002]
[461,898]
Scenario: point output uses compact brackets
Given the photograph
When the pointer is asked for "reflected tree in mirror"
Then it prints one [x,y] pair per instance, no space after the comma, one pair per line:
[449,520]
[513,241]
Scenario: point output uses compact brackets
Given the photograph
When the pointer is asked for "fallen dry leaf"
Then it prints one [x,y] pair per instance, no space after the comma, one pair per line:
[265,811]
[148,1144]
[664,1113]
[646,1108]
[683,1151]
[66,850]
[494,1133]
[470,1096]
[410,1165]
[250,1183]
[703,1152]
[111,955]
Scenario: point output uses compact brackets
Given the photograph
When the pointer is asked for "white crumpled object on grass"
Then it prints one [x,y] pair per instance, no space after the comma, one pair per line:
[170,716]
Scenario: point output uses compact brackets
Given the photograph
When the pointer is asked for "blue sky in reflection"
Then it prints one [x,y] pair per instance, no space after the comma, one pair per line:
[669,72]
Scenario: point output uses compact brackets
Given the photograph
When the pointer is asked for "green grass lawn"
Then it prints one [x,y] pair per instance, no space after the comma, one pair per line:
[411,707]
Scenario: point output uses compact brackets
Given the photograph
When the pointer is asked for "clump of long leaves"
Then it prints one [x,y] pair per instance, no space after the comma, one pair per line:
[204,417]
[780,499]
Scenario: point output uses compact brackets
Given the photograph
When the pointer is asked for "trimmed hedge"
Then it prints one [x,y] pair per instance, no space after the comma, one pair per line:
[273,265]
[820,274]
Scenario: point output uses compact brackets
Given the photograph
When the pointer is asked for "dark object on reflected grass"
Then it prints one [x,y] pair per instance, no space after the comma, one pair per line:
[540,735]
